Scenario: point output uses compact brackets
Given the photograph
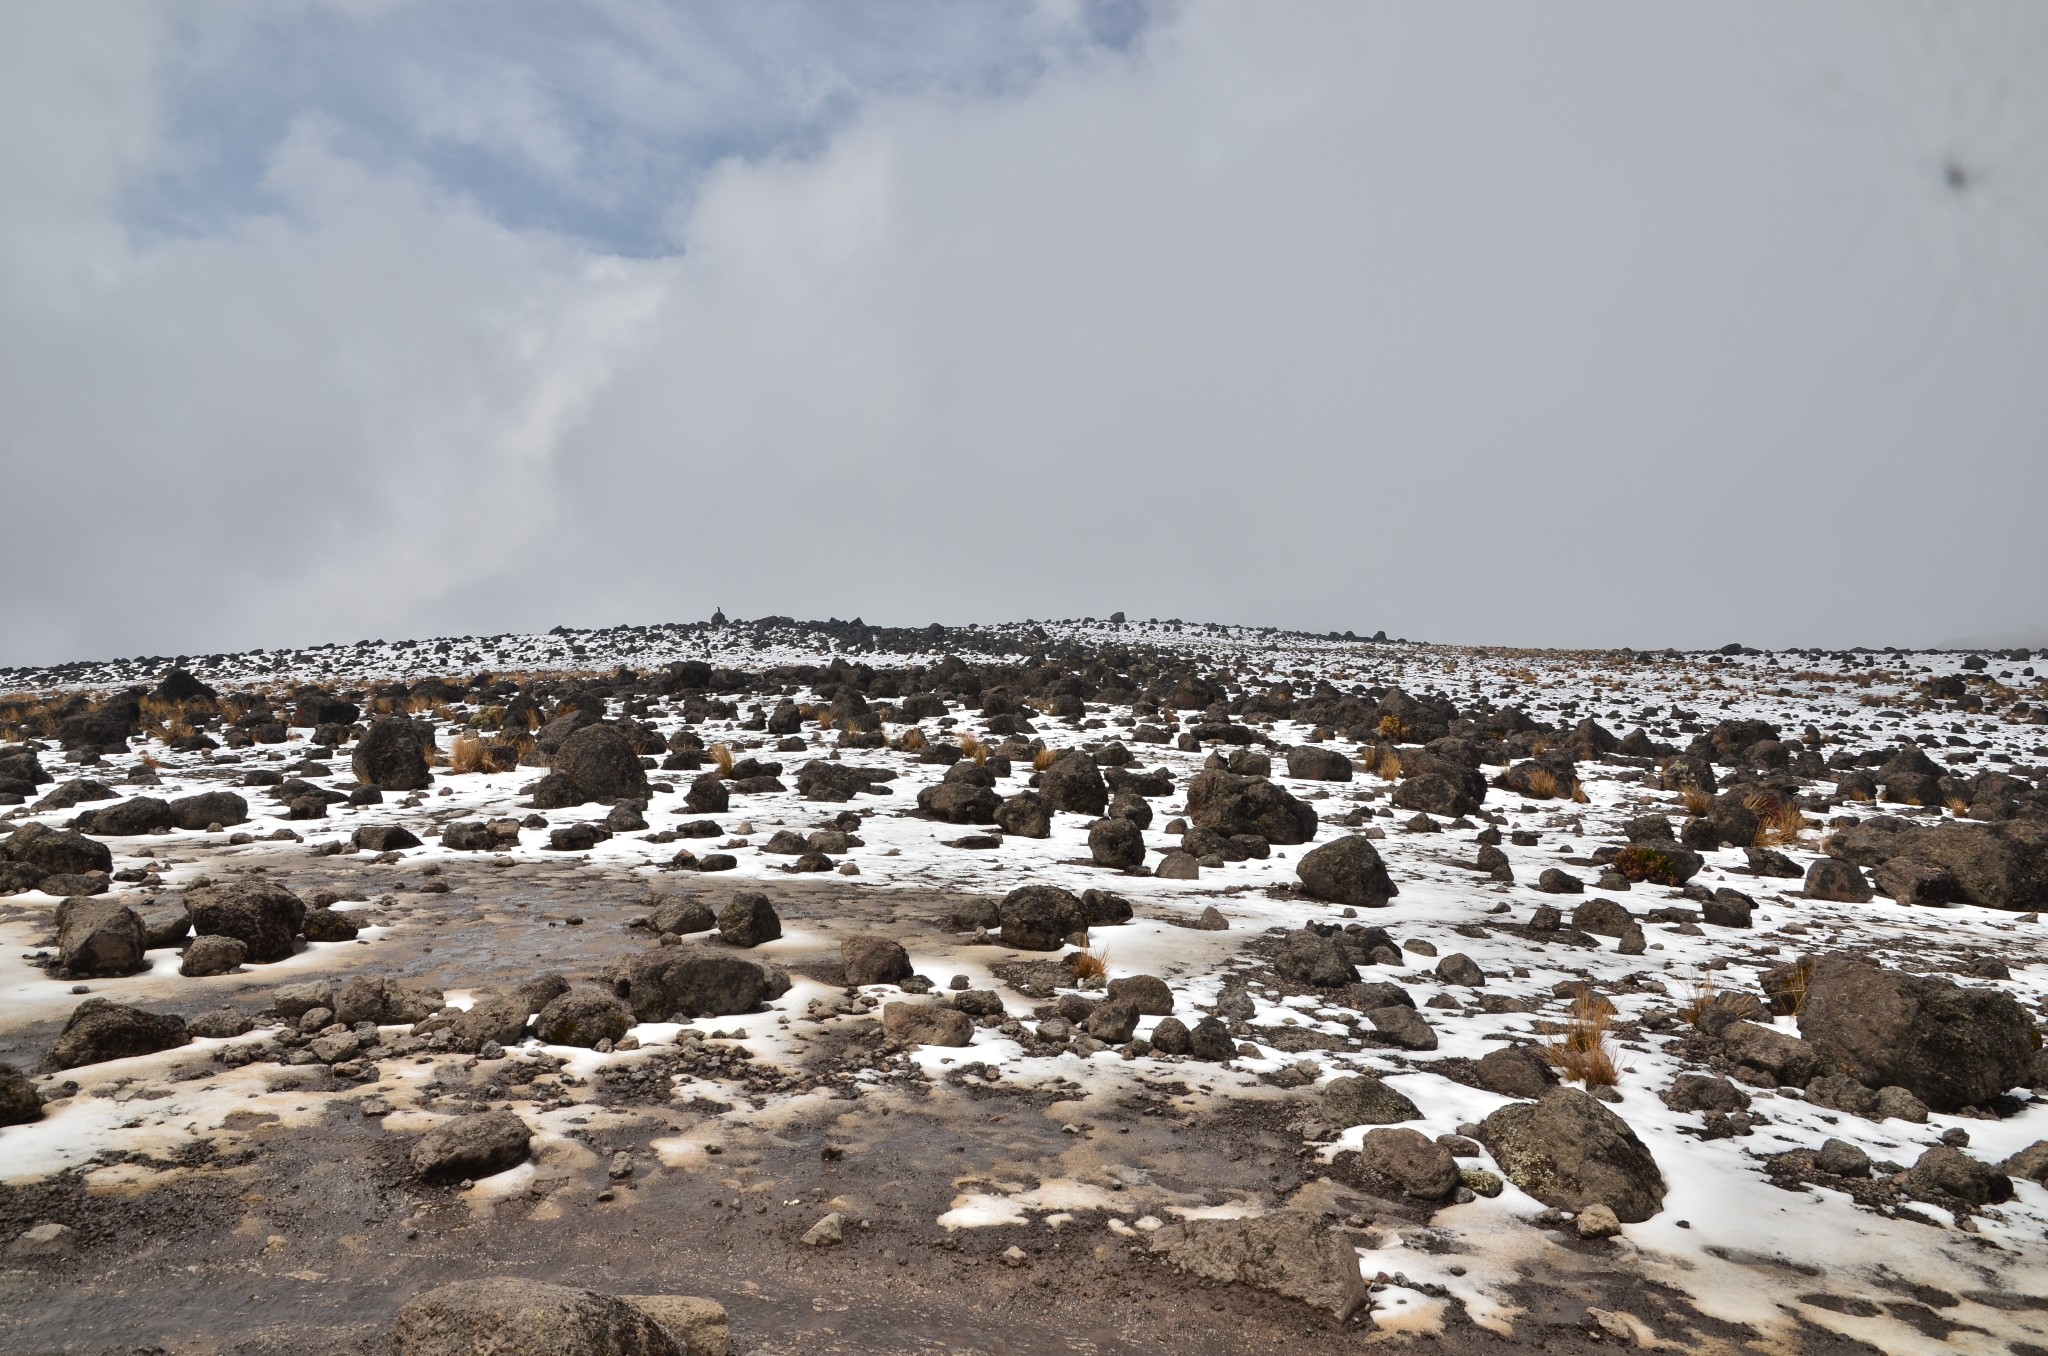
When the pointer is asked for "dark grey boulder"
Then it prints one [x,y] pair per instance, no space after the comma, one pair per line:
[391,756]
[475,1146]
[1346,870]
[264,915]
[1948,1045]
[1040,917]
[1569,1151]
[99,1030]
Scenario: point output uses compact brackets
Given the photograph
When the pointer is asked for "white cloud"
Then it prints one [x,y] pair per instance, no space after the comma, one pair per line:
[1486,325]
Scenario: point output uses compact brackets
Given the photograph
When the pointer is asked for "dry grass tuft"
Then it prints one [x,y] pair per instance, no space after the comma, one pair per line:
[1579,795]
[1778,821]
[1388,768]
[1698,801]
[1699,996]
[1044,759]
[468,754]
[974,748]
[911,740]
[1958,807]
[1090,963]
[722,756]
[1542,783]
[1583,1055]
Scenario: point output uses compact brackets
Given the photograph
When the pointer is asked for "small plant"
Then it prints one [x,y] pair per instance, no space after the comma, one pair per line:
[722,756]
[1583,1055]
[1958,807]
[1043,759]
[1090,963]
[1579,796]
[911,740]
[1640,863]
[974,749]
[1698,801]
[1391,729]
[1389,768]
[1542,783]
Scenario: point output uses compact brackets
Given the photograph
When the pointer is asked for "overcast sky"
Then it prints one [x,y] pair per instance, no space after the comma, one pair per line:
[1559,324]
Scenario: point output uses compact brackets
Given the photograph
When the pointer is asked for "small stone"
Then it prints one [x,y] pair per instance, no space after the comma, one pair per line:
[1598,1221]
[621,1166]
[1015,1256]
[828,1232]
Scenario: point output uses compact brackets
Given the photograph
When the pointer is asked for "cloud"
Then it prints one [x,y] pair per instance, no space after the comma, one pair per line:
[1474,324]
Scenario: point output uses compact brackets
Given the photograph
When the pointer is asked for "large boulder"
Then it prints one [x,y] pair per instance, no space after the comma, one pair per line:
[1040,917]
[261,913]
[391,755]
[869,959]
[1116,843]
[208,808]
[129,819]
[600,761]
[582,1017]
[472,1146]
[1364,1100]
[384,1001]
[748,920]
[1346,870]
[1074,783]
[1293,1253]
[18,1101]
[926,1024]
[1025,815]
[497,1017]
[1306,958]
[1313,763]
[99,1030]
[1569,1151]
[677,983]
[1791,1061]
[58,852]
[1837,881]
[1948,1045]
[1229,804]
[1411,1161]
[952,802]
[1998,866]
[99,937]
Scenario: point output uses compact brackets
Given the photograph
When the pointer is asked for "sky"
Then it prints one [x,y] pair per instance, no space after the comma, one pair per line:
[1587,323]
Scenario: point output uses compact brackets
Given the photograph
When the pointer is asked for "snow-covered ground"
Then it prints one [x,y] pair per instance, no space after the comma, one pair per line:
[1741,1249]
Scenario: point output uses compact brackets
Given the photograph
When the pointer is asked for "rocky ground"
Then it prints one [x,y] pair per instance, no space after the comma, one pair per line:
[1091,986]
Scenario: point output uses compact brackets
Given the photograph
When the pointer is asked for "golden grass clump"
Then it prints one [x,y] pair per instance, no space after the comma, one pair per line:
[1698,801]
[1391,729]
[1583,1056]
[1579,795]
[974,748]
[911,740]
[1044,759]
[1958,807]
[1090,963]
[1542,783]
[1388,766]
[722,756]
[467,754]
